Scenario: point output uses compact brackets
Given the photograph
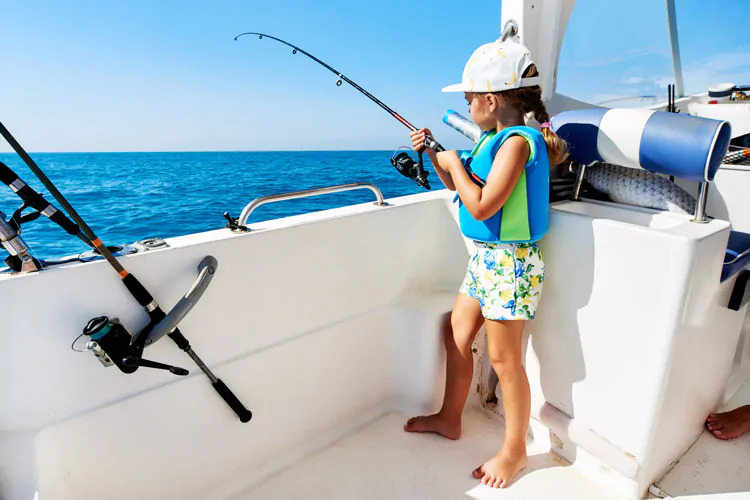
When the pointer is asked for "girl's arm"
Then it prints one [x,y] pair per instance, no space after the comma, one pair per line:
[507,167]
[417,140]
[441,170]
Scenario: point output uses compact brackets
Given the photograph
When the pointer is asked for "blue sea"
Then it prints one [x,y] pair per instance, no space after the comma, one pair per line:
[125,197]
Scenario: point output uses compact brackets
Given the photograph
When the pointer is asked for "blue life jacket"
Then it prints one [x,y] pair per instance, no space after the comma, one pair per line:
[525,216]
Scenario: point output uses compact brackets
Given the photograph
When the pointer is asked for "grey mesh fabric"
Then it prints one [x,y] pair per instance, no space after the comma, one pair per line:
[640,188]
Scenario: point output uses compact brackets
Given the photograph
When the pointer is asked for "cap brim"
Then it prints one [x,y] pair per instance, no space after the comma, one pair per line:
[458,87]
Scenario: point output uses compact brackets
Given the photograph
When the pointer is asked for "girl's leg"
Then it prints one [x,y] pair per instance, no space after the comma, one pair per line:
[458,334]
[504,347]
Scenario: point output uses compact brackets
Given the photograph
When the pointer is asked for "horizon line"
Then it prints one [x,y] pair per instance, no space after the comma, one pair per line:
[205,151]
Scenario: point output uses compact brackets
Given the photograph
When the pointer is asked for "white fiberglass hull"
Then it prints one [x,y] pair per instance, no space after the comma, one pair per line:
[324,323]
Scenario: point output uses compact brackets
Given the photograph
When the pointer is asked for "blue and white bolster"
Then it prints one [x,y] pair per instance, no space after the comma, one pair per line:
[684,146]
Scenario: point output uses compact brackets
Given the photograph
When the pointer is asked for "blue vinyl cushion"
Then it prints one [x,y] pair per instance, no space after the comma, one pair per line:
[738,243]
[688,147]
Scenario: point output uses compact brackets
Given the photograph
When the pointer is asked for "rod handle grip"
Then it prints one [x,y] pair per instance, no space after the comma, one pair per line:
[431,143]
[437,146]
[235,404]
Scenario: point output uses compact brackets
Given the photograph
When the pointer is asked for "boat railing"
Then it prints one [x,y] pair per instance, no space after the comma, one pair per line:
[306,193]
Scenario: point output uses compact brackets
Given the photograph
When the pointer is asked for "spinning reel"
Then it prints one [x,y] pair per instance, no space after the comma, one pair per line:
[112,344]
[409,168]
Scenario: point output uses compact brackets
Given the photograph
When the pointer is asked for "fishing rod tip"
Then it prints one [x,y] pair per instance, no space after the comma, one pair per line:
[260,35]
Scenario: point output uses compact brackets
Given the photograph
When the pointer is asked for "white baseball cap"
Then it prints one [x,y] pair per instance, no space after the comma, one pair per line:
[495,67]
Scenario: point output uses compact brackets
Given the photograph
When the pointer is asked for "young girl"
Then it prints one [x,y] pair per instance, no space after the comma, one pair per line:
[505,218]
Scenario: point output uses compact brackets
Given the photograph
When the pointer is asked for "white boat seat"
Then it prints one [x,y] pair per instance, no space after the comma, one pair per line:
[683,146]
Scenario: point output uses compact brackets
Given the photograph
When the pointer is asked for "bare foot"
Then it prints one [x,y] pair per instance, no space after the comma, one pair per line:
[499,471]
[436,423]
[729,424]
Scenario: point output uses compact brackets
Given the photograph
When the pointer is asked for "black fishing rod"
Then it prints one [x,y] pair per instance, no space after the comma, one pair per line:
[36,201]
[19,258]
[130,347]
[419,175]
[431,143]
[402,161]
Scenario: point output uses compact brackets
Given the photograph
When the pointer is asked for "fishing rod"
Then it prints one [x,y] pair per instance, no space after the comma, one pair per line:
[431,143]
[400,162]
[111,337]
[36,201]
[19,258]
[403,162]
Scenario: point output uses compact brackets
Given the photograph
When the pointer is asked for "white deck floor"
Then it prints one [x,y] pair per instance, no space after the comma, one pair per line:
[381,461]
[712,468]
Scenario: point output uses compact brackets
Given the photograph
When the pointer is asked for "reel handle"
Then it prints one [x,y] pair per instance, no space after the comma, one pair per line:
[234,403]
[135,362]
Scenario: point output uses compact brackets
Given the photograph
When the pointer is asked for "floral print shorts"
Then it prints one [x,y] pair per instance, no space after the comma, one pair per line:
[506,278]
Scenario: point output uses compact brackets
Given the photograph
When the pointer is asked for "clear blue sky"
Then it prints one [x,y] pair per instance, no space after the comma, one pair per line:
[148,75]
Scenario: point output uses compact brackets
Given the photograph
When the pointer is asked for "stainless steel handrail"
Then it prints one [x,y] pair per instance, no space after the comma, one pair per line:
[242,221]
[579,182]
[700,205]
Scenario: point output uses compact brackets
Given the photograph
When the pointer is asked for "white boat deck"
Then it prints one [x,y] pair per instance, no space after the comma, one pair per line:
[360,350]
[713,468]
[381,461]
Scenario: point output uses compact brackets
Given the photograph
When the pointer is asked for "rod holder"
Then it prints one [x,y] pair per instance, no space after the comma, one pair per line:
[206,269]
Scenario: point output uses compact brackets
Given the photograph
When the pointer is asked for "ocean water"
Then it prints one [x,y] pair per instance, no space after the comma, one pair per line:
[125,197]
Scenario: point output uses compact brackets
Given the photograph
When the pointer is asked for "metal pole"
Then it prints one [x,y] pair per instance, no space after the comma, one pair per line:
[700,206]
[675,43]
[245,215]
[579,181]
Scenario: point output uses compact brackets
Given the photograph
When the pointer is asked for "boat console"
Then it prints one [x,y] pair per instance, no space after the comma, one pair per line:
[636,338]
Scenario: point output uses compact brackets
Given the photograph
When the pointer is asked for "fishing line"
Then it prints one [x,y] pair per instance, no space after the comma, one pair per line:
[415,170]
[342,77]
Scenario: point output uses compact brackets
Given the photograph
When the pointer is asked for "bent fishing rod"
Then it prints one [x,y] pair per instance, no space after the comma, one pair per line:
[129,347]
[431,142]
[418,174]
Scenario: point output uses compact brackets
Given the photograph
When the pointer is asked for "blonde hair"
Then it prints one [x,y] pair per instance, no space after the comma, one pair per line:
[529,100]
